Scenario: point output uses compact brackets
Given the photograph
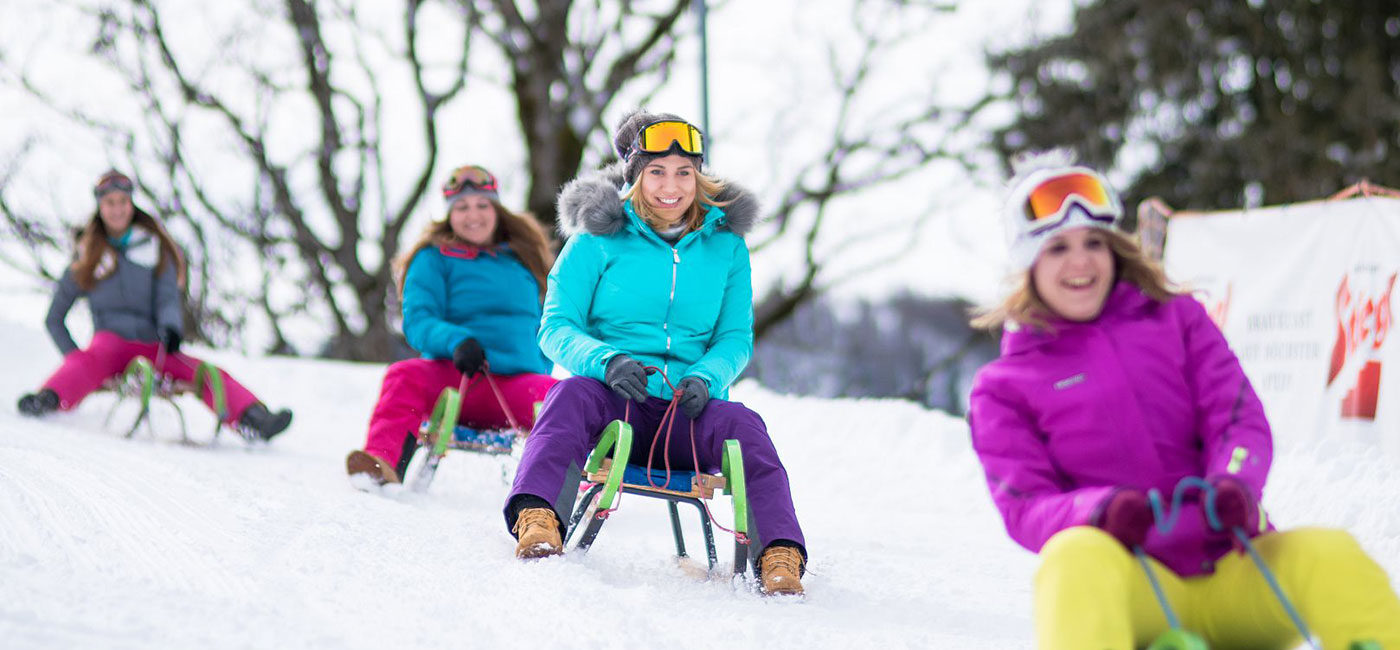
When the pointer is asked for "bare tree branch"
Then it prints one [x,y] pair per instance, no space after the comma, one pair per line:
[35,235]
[854,160]
[559,101]
[323,211]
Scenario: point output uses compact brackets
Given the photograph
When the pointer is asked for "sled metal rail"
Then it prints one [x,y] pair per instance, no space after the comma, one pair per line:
[603,483]
[143,383]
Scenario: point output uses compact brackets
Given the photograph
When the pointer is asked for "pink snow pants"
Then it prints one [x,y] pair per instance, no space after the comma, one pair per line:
[83,372]
[411,388]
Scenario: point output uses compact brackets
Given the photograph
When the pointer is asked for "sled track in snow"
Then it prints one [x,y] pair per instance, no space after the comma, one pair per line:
[76,518]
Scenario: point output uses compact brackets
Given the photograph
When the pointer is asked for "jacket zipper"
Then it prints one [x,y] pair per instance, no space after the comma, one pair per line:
[671,302]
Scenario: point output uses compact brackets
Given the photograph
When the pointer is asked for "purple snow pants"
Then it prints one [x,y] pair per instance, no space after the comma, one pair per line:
[575,413]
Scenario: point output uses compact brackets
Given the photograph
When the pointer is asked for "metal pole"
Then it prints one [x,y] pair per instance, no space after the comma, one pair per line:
[701,12]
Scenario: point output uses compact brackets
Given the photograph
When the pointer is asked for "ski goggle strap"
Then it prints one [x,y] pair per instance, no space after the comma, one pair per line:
[660,137]
[469,178]
[1048,201]
[112,181]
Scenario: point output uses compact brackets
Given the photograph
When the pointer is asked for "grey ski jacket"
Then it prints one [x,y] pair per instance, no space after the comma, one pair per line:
[132,302]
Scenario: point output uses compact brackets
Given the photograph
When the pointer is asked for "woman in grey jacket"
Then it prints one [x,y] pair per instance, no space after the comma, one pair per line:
[133,276]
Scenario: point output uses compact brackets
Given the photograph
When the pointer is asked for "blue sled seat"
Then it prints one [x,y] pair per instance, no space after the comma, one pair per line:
[496,440]
[637,475]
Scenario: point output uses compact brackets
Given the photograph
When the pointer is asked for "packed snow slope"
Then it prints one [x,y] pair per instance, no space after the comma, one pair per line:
[114,543]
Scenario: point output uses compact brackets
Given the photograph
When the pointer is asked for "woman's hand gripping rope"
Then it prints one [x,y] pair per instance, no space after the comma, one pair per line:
[1229,508]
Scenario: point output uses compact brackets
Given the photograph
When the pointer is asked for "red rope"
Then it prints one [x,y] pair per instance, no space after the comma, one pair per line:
[738,536]
[668,420]
[587,485]
[168,382]
[500,399]
[160,359]
[468,380]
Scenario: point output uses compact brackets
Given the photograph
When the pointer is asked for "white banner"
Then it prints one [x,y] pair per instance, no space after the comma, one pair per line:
[1303,294]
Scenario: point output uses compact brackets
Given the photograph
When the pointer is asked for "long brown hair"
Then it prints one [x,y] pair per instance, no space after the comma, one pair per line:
[1025,306]
[524,234]
[93,245]
[706,188]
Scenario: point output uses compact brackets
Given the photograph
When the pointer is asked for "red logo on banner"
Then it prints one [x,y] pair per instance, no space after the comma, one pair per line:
[1362,325]
[1219,311]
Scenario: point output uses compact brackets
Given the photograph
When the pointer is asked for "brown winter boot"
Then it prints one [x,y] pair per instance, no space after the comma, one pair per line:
[537,530]
[360,463]
[781,569]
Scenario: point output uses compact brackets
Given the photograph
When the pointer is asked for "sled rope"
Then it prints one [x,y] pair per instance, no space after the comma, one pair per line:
[738,536]
[1278,590]
[1172,621]
[1167,521]
[485,372]
[206,375]
[668,420]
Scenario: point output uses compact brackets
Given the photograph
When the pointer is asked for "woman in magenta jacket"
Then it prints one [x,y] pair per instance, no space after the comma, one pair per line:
[1111,384]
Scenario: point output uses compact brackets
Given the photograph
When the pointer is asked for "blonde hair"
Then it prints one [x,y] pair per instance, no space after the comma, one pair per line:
[522,231]
[706,188]
[93,246]
[1024,305]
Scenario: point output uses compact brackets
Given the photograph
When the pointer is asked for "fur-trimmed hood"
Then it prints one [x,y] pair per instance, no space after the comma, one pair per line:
[593,204]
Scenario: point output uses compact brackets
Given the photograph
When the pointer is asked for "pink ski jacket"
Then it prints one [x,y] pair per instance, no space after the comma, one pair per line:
[1146,394]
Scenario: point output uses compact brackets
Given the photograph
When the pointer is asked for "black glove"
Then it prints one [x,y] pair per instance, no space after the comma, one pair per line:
[170,338]
[627,378]
[469,357]
[694,396]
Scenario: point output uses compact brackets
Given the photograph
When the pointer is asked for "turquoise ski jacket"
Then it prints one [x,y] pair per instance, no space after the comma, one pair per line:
[454,293]
[619,288]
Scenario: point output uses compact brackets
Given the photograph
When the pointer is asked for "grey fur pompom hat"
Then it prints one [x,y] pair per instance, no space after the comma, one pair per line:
[625,142]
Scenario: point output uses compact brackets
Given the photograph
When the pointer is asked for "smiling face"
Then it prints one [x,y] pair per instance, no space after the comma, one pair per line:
[1074,272]
[116,211]
[473,220]
[668,187]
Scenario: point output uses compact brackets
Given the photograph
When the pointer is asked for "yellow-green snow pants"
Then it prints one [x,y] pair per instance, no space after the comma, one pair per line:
[1091,594]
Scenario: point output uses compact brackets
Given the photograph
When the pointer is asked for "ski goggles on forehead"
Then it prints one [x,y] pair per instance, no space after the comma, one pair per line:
[660,137]
[469,177]
[112,182]
[1048,203]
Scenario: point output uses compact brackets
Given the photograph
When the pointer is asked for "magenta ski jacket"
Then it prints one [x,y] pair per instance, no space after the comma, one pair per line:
[1147,393]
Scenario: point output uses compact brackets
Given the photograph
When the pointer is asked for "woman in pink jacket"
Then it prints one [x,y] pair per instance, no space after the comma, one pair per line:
[1111,384]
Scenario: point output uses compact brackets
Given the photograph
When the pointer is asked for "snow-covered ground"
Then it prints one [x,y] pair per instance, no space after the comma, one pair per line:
[113,543]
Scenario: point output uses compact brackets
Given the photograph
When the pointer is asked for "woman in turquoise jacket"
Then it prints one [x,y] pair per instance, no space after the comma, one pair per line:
[471,289]
[656,273]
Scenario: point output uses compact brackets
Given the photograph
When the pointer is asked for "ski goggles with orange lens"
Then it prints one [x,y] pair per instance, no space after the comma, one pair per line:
[1049,202]
[469,179]
[112,181]
[662,136]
